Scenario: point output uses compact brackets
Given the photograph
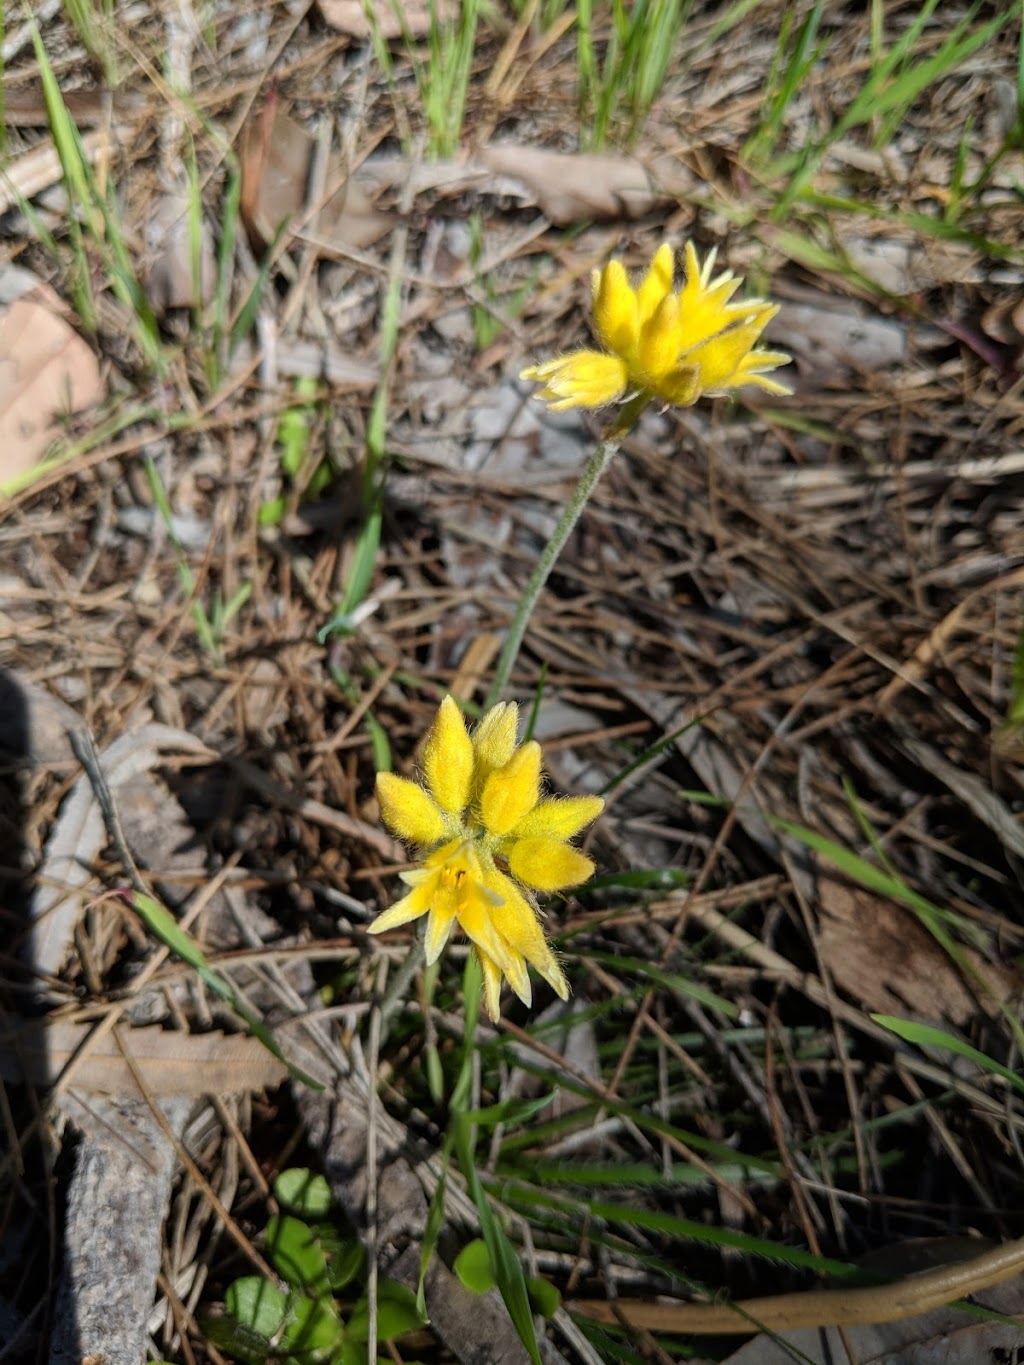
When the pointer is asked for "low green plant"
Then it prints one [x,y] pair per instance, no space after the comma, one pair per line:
[622,81]
[442,73]
[211,623]
[94,226]
[163,926]
[321,1315]
[306,472]
[897,75]
[492,317]
[93,21]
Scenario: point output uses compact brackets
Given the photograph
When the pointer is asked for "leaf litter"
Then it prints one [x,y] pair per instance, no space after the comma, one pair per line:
[761,609]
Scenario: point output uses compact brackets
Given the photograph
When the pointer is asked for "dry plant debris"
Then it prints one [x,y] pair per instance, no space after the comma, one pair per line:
[787,619]
[46,370]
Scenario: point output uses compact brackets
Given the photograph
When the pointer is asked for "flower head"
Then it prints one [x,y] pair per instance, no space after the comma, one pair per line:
[488,841]
[670,345]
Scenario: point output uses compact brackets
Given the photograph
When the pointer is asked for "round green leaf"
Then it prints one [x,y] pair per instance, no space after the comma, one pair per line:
[240,1343]
[473,1267]
[296,1254]
[345,1255]
[303,1192]
[313,1331]
[257,1304]
[396,1314]
[543,1295]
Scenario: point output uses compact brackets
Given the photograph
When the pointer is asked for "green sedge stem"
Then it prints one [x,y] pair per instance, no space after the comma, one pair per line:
[597,464]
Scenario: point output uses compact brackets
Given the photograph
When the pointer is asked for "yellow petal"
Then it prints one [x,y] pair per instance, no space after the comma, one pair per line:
[494,739]
[477,923]
[656,284]
[584,379]
[492,986]
[519,926]
[681,386]
[439,926]
[616,320]
[512,791]
[519,978]
[561,817]
[448,759]
[410,907]
[751,367]
[408,811]
[661,340]
[720,358]
[547,864]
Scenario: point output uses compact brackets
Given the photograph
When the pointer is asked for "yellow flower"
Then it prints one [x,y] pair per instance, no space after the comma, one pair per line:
[672,346]
[488,842]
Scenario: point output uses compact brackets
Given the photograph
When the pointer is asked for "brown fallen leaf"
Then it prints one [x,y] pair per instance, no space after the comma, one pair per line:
[45,369]
[168,1061]
[277,158]
[349,16]
[570,186]
[880,955]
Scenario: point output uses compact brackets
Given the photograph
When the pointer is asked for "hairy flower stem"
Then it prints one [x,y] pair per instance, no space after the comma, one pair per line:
[602,457]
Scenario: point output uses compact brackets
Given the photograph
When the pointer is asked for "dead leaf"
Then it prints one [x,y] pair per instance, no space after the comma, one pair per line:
[570,186]
[881,956]
[45,369]
[277,159]
[168,1061]
[349,16]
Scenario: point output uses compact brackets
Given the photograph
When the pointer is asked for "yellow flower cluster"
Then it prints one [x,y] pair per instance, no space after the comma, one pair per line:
[668,345]
[488,842]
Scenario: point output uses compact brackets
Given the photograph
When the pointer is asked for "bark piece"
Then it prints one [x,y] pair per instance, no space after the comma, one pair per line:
[124,1167]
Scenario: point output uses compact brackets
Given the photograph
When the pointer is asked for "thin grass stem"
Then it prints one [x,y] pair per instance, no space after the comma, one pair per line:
[602,457]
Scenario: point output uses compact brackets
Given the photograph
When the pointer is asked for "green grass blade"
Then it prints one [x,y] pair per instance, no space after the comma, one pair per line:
[508,1272]
[923,1035]
[162,924]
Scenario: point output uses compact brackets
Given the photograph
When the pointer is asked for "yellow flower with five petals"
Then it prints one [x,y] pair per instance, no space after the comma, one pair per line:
[489,841]
[670,345]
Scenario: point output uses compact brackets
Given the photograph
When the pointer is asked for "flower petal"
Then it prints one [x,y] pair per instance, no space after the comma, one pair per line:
[519,978]
[661,341]
[512,791]
[448,759]
[492,986]
[584,379]
[408,811]
[681,386]
[410,907]
[562,817]
[519,926]
[477,920]
[657,283]
[439,926]
[751,367]
[494,739]
[721,358]
[547,864]
[616,319]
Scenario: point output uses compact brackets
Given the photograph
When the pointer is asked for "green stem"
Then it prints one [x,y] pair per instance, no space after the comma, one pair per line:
[596,465]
